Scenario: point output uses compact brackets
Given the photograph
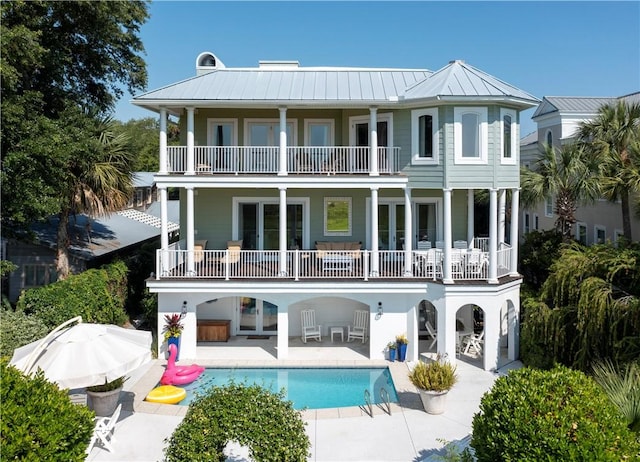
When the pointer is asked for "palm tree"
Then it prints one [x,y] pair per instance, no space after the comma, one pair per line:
[611,137]
[568,175]
[99,177]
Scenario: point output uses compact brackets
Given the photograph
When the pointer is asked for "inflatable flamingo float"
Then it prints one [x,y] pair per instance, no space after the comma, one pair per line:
[179,375]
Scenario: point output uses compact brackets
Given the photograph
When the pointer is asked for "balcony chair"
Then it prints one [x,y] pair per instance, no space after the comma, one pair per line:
[359,328]
[103,431]
[475,262]
[232,256]
[460,244]
[309,327]
[439,244]
[432,333]
[474,341]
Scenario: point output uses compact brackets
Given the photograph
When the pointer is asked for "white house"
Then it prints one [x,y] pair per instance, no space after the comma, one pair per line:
[324,188]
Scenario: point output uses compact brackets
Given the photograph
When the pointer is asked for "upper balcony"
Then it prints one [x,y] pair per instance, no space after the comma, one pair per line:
[308,160]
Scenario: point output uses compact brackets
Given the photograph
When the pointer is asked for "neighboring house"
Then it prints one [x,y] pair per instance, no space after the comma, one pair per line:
[323,188]
[558,118]
[145,191]
[93,243]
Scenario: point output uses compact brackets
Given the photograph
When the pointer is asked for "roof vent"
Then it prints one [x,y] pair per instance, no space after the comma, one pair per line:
[457,61]
[279,64]
[207,62]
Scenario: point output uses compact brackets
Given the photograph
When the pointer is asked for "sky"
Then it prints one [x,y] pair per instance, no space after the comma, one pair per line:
[546,48]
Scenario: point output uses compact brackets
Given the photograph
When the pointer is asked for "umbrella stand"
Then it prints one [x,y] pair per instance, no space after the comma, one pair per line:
[45,342]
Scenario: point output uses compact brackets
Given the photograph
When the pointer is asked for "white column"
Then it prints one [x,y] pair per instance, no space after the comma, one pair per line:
[515,213]
[493,236]
[408,234]
[502,215]
[375,264]
[470,216]
[191,163]
[490,350]
[282,162]
[190,231]
[446,264]
[163,141]
[164,231]
[283,231]
[283,331]
[373,142]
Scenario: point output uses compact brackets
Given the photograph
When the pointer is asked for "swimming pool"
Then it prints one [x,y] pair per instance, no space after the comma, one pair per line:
[311,388]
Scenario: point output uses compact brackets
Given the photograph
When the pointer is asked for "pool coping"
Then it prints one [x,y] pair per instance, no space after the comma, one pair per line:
[408,396]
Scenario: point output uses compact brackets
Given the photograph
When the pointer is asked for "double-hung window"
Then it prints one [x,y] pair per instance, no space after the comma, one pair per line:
[509,143]
[424,136]
[470,135]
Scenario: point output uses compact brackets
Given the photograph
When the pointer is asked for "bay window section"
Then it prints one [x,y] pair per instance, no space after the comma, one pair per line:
[470,135]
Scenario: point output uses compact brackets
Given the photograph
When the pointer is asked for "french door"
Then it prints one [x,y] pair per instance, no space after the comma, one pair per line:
[259,225]
[256,317]
[391,223]
[390,226]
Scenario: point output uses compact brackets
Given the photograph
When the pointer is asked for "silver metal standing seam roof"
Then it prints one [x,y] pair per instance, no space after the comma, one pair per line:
[571,104]
[331,85]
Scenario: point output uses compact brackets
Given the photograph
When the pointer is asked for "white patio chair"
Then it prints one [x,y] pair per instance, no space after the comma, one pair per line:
[475,262]
[474,341]
[439,244]
[460,244]
[309,327]
[424,245]
[456,262]
[432,333]
[104,430]
[359,328]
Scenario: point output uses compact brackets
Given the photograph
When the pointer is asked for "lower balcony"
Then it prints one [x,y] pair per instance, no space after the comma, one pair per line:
[297,265]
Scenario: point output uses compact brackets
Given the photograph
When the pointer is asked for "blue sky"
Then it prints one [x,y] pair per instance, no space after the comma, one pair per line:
[546,48]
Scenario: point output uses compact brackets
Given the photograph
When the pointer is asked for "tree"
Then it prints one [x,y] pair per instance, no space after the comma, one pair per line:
[613,138]
[568,175]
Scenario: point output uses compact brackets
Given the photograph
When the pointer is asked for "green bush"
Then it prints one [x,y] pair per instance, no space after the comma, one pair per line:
[39,422]
[18,329]
[98,295]
[560,414]
[249,414]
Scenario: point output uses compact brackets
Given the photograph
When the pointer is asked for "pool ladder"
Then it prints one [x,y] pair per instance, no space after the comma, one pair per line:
[384,395]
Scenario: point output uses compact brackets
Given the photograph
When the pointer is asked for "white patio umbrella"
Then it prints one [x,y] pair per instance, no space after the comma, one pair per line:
[85,354]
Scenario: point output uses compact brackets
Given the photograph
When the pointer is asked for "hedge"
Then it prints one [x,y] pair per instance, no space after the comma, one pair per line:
[17,329]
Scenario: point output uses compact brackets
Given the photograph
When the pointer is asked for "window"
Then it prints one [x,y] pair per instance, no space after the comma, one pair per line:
[38,275]
[319,132]
[149,196]
[337,216]
[222,132]
[617,235]
[549,138]
[548,207]
[581,233]
[536,222]
[470,135]
[509,137]
[139,197]
[527,224]
[599,234]
[424,136]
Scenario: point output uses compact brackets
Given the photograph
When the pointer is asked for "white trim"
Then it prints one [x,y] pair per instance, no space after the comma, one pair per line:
[481,112]
[513,160]
[332,131]
[349,230]
[235,214]
[548,201]
[222,121]
[415,142]
[597,228]
[582,225]
[380,117]
[291,140]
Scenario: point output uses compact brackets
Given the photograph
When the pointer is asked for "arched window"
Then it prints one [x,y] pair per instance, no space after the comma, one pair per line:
[549,138]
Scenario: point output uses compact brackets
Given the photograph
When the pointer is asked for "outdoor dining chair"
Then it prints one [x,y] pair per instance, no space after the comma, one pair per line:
[104,430]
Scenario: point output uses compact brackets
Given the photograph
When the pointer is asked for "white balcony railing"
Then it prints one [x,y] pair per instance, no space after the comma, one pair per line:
[265,159]
[310,264]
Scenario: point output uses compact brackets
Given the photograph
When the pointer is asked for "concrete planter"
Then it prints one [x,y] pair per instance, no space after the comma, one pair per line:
[434,402]
[104,403]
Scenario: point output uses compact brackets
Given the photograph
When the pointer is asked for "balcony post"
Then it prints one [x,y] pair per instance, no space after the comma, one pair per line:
[163,141]
[513,240]
[373,142]
[164,230]
[446,264]
[191,164]
[470,216]
[375,263]
[282,230]
[282,162]
[493,236]
[408,234]
[502,214]
[190,231]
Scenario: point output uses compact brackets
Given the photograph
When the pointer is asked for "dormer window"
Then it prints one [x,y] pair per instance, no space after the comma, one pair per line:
[424,136]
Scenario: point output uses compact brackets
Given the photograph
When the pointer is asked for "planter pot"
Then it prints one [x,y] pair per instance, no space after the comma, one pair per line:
[392,355]
[174,341]
[402,351]
[104,403]
[434,402]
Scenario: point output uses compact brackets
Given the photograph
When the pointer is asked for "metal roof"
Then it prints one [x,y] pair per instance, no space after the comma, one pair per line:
[346,86]
[579,104]
[143,179]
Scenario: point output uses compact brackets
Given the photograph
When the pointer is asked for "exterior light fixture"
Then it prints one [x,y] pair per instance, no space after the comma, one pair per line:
[379,308]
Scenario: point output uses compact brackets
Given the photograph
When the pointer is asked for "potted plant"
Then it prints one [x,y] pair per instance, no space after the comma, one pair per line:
[434,380]
[105,397]
[391,347]
[402,342]
[173,330]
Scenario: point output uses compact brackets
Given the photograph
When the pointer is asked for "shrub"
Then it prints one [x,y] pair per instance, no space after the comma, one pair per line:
[434,376]
[249,414]
[39,422]
[560,414]
[622,386]
[18,329]
[98,295]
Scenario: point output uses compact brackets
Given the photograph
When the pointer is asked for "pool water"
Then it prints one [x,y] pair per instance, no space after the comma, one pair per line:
[316,388]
